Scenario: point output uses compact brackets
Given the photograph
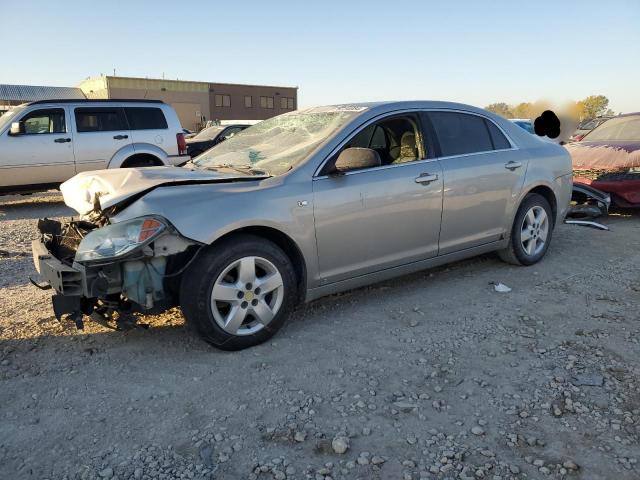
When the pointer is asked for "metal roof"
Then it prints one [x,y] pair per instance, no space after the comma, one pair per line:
[31,93]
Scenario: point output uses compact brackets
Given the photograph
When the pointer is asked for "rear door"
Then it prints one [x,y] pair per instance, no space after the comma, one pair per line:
[100,133]
[42,153]
[148,126]
[483,174]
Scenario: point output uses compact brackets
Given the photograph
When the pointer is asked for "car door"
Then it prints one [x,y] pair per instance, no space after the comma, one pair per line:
[42,153]
[377,218]
[483,174]
[101,132]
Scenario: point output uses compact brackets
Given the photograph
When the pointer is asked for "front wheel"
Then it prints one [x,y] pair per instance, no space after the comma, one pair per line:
[239,293]
[531,232]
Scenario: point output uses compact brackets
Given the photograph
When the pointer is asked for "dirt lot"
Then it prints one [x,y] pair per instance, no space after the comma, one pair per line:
[433,375]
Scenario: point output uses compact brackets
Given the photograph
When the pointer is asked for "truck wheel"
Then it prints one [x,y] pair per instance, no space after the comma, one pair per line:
[531,232]
[141,161]
[239,292]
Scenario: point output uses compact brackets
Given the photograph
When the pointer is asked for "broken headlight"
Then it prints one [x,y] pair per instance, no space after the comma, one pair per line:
[119,239]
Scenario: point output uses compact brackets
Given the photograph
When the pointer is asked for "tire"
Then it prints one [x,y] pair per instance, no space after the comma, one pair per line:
[534,220]
[140,162]
[244,309]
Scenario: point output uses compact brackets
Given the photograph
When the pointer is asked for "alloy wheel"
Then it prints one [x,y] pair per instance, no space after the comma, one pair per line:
[247,295]
[534,231]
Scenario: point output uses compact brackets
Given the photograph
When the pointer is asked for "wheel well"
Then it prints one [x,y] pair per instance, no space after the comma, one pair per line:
[548,194]
[286,244]
[142,159]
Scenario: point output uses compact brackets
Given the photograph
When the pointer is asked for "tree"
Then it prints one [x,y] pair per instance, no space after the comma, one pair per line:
[500,108]
[523,110]
[592,106]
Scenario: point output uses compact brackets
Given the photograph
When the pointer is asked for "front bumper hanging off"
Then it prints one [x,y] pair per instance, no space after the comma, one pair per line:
[141,282]
[66,281]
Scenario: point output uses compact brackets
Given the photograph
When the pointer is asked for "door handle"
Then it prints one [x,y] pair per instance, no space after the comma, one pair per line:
[62,140]
[120,137]
[425,178]
[512,165]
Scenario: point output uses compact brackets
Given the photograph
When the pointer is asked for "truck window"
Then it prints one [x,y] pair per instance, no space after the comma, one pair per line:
[96,119]
[44,121]
[145,118]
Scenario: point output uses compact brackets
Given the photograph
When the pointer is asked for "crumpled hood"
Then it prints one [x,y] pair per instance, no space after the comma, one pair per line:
[115,185]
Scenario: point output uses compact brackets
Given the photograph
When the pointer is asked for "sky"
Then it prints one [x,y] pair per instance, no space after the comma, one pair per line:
[476,52]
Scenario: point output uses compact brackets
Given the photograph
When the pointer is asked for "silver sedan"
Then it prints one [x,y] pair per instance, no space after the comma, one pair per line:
[302,205]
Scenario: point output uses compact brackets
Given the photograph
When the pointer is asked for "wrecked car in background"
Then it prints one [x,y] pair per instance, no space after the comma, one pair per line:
[586,126]
[299,206]
[608,159]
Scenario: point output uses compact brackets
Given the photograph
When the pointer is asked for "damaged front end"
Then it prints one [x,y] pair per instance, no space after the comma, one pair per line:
[109,270]
[614,169]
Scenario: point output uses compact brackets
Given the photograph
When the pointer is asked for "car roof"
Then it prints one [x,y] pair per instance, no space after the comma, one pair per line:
[402,104]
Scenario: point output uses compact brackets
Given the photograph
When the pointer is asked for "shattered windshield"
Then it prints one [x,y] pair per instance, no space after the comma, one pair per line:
[208,133]
[8,116]
[621,128]
[277,145]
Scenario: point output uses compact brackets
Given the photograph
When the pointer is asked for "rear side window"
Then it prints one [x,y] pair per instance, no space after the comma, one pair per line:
[460,133]
[144,118]
[100,119]
[500,142]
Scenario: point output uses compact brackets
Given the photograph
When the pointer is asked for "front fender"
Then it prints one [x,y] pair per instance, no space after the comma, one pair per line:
[205,213]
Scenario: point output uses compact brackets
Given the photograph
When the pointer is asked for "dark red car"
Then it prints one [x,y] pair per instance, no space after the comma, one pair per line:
[608,158]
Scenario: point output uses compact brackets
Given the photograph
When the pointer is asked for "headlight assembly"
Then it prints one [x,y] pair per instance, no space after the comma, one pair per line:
[119,239]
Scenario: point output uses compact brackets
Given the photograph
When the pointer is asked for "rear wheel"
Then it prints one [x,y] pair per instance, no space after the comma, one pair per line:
[531,232]
[239,293]
[137,162]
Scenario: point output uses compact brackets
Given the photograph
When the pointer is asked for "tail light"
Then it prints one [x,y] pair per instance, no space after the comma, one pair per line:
[182,144]
[579,137]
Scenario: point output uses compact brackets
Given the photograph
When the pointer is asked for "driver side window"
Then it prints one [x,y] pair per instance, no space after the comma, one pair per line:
[44,121]
[395,140]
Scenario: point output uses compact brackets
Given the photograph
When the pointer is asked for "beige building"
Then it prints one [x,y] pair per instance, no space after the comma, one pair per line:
[197,102]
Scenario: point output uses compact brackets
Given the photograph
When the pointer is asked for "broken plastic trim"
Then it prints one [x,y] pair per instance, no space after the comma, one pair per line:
[587,223]
[590,202]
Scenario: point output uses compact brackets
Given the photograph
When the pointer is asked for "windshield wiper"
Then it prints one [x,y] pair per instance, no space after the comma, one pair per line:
[238,168]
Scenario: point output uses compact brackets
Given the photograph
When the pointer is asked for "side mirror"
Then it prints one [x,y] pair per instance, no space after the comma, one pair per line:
[356,158]
[17,128]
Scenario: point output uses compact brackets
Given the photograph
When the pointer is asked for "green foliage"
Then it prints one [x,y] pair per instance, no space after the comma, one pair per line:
[590,107]
[501,109]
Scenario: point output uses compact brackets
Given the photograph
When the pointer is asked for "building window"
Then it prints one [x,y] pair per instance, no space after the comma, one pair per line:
[247,101]
[266,102]
[223,100]
[287,103]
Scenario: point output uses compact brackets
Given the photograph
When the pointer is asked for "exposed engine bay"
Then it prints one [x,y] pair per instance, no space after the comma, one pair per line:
[110,290]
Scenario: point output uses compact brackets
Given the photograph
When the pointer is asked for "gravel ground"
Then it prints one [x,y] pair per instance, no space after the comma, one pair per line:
[433,375]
